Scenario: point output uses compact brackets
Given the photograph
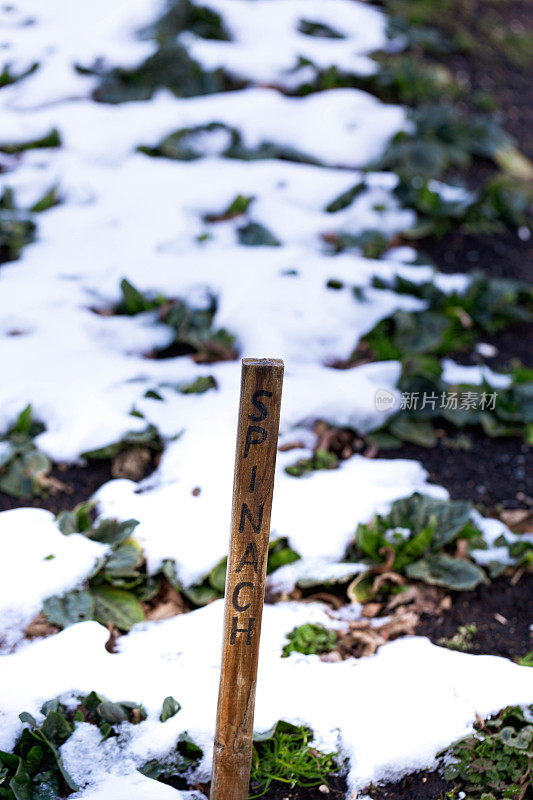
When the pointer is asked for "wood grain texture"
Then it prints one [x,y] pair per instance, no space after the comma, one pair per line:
[255,461]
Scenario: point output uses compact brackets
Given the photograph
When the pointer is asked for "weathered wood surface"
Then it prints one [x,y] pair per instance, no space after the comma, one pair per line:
[255,461]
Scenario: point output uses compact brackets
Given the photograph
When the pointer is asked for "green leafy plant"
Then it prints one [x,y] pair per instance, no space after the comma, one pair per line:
[310,639]
[34,769]
[495,762]
[318,29]
[286,756]
[170,66]
[17,229]
[180,763]
[105,714]
[170,708]
[193,328]
[236,208]
[187,144]
[148,438]
[199,386]
[213,585]
[183,15]
[52,139]
[118,585]
[321,459]
[17,226]
[450,321]
[521,550]
[372,243]
[7,77]
[505,412]
[462,640]
[255,235]
[23,468]
[415,539]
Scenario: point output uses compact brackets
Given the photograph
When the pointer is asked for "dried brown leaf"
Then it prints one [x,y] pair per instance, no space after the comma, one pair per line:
[39,626]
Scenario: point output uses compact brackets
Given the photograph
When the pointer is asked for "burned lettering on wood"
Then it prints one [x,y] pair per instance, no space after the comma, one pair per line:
[255,461]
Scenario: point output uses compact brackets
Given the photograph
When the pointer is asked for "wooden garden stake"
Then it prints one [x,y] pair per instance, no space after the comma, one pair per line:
[255,460]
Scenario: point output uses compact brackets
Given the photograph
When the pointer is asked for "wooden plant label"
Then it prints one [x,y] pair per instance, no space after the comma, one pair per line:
[255,460]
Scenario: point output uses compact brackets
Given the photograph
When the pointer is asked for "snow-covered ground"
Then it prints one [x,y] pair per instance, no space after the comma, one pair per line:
[124,214]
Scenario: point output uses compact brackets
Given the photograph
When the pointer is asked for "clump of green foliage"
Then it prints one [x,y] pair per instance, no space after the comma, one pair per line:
[451,321]
[521,550]
[188,144]
[200,385]
[462,640]
[180,763]
[417,539]
[505,412]
[170,66]
[101,712]
[35,769]
[238,206]
[23,468]
[17,229]
[286,756]
[447,132]
[148,439]
[213,585]
[253,234]
[310,639]
[52,139]
[17,226]
[318,29]
[371,243]
[183,15]
[7,77]
[321,459]
[118,585]
[495,762]
[193,328]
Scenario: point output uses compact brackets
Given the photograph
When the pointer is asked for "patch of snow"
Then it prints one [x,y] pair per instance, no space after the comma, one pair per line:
[253,28]
[430,695]
[37,561]
[458,374]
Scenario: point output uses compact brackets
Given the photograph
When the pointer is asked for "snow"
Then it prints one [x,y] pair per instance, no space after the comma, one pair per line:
[426,706]
[37,562]
[458,374]
[253,28]
[124,214]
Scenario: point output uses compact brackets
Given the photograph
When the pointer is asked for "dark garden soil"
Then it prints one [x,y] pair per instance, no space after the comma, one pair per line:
[80,482]
[492,71]
[72,484]
[281,791]
[492,472]
[514,348]
[495,70]
[500,611]
[417,786]
[498,255]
